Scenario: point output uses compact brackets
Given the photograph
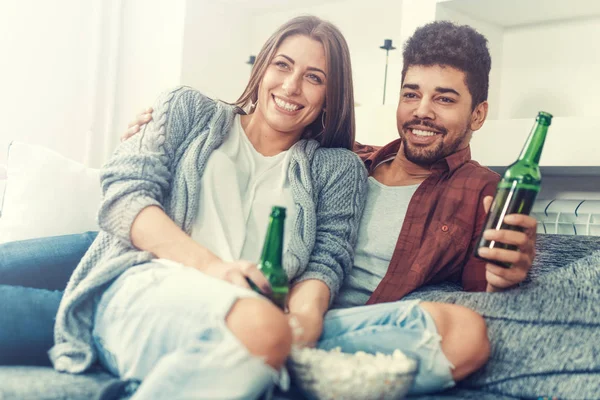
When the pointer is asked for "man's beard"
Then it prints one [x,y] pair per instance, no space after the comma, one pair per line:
[428,155]
[424,156]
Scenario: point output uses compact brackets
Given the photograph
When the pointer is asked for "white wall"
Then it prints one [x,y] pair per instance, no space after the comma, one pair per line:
[552,67]
[48,58]
[215,49]
[75,72]
[150,58]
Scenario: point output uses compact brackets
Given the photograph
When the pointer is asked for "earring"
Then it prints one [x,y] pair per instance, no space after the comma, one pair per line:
[252,107]
[318,135]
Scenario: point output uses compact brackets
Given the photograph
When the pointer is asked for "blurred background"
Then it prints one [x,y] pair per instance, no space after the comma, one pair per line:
[73,73]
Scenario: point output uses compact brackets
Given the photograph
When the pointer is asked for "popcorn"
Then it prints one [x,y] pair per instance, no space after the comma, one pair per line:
[342,376]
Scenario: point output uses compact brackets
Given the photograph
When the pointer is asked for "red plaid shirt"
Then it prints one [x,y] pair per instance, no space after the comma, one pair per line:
[444,219]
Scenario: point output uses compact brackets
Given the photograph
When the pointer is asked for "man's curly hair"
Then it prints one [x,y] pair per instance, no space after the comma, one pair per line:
[458,46]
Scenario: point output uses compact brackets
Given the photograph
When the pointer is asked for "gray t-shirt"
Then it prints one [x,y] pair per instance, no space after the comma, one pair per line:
[377,236]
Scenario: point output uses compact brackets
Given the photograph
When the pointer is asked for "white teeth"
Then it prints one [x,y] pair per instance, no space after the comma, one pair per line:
[419,132]
[284,105]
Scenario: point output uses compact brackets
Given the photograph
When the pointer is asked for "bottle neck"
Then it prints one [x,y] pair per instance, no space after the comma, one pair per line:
[273,247]
[532,151]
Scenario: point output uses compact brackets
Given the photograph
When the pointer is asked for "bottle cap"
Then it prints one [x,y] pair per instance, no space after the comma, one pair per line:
[544,118]
[277,211]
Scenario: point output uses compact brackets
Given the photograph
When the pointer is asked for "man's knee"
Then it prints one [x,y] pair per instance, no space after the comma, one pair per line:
[262,328]
[464,337]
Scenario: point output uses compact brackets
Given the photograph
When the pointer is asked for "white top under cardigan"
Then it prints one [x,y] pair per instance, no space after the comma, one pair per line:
[237,191]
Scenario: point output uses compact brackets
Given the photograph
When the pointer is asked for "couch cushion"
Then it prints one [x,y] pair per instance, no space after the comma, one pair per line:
[47,195]
[44,383]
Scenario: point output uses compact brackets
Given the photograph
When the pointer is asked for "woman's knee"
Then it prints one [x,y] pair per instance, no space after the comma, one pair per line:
[262,328]
[464,336]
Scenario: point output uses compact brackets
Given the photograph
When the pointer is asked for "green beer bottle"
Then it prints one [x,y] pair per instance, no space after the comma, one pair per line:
[518,188]
[270,263]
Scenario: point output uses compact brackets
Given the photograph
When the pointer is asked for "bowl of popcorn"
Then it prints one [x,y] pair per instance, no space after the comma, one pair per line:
[328,375]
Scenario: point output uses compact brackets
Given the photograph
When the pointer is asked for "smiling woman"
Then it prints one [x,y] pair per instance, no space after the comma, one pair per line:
[185,204]
[292,93]
[299,62]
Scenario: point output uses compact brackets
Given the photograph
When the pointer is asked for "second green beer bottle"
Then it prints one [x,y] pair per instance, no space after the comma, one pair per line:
[518,188]
[271,259]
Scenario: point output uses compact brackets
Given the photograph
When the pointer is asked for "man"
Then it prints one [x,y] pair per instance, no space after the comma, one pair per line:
[443,101]
[425,211]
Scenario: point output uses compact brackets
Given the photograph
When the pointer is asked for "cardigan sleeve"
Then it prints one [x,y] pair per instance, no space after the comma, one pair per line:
[140,172]
[342,188]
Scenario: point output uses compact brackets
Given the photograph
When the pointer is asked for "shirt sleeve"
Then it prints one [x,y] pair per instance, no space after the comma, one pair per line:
[340,203]
[364,151]
[139,174]
[473,275]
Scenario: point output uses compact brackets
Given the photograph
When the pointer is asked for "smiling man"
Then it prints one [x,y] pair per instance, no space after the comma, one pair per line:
[443,101]
[425,210]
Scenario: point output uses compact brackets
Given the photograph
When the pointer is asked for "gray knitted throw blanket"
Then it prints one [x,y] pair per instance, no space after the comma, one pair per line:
[545,334]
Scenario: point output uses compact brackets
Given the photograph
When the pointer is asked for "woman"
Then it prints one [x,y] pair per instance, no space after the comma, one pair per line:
[162,294]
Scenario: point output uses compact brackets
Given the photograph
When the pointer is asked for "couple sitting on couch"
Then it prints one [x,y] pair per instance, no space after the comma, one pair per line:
[161,294]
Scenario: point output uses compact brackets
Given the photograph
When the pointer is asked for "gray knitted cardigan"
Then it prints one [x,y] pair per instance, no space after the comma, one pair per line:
[162,166]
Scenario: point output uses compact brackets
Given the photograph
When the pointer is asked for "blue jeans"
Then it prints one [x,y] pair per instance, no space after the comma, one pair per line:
[163,324]
[33,274]
[385,327]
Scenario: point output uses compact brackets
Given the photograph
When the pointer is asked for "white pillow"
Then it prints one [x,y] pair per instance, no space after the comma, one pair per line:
[47,194]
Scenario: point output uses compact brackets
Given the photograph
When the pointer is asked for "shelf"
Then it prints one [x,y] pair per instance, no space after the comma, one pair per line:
[556,171]
[572,146]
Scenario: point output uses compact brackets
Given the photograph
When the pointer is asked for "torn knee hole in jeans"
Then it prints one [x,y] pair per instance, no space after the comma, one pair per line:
[414,315]
[429,340]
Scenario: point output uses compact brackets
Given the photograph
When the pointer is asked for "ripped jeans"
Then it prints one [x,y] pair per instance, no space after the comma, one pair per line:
[385,327]
[164,324]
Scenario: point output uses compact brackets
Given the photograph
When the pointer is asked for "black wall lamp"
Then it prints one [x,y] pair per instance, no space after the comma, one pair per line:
[387,46]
